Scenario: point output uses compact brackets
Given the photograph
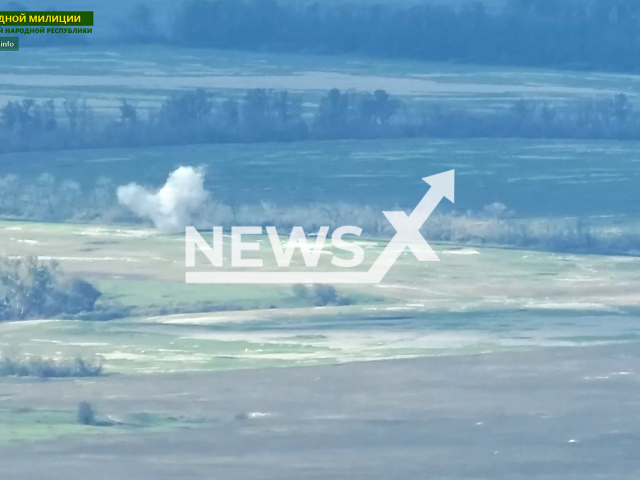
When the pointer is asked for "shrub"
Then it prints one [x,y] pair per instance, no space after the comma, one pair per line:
[324,295]
[86,415]
[319,295]
[30,288]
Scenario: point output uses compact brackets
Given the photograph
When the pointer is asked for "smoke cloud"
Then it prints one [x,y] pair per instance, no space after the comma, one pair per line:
[173,206]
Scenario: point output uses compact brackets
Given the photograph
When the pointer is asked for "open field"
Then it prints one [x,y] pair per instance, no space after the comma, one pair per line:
[147,74]
[501,389]
[557,414]
[528,279]
[475,300]
[301,338]
[532,178]
[24,425]
[493,363]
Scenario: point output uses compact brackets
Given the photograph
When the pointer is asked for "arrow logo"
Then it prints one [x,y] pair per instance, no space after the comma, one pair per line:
[407,236]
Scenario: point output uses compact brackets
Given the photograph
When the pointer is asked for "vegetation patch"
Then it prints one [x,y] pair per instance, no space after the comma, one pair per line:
[30,288]
[48,368]
[23,425]
[320,295]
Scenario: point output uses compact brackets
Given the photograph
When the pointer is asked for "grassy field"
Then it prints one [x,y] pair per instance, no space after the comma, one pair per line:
[257,340]
[113,255]
[566,414]
[147,74]
[475,300]
[531,178]
[24,425]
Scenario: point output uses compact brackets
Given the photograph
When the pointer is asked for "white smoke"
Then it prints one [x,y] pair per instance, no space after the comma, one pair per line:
[173,206]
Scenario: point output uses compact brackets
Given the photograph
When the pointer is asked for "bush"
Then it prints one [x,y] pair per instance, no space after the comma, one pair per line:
[324,295]
[86,415]
[319,295]
[30,288]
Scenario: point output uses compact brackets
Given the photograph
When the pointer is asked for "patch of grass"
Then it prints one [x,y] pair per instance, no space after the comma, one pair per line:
[150,293]
[27,425]
[149,297]
[22,425]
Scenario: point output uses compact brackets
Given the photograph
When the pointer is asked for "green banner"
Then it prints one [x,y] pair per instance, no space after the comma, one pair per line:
[9,44]
[36,19]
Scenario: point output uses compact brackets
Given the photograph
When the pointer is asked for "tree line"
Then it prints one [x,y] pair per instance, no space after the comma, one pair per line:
[195,117]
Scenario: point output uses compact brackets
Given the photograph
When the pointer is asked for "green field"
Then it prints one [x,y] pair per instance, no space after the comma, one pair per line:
[22,425]
[532,178]
[475,300]
[147,74]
